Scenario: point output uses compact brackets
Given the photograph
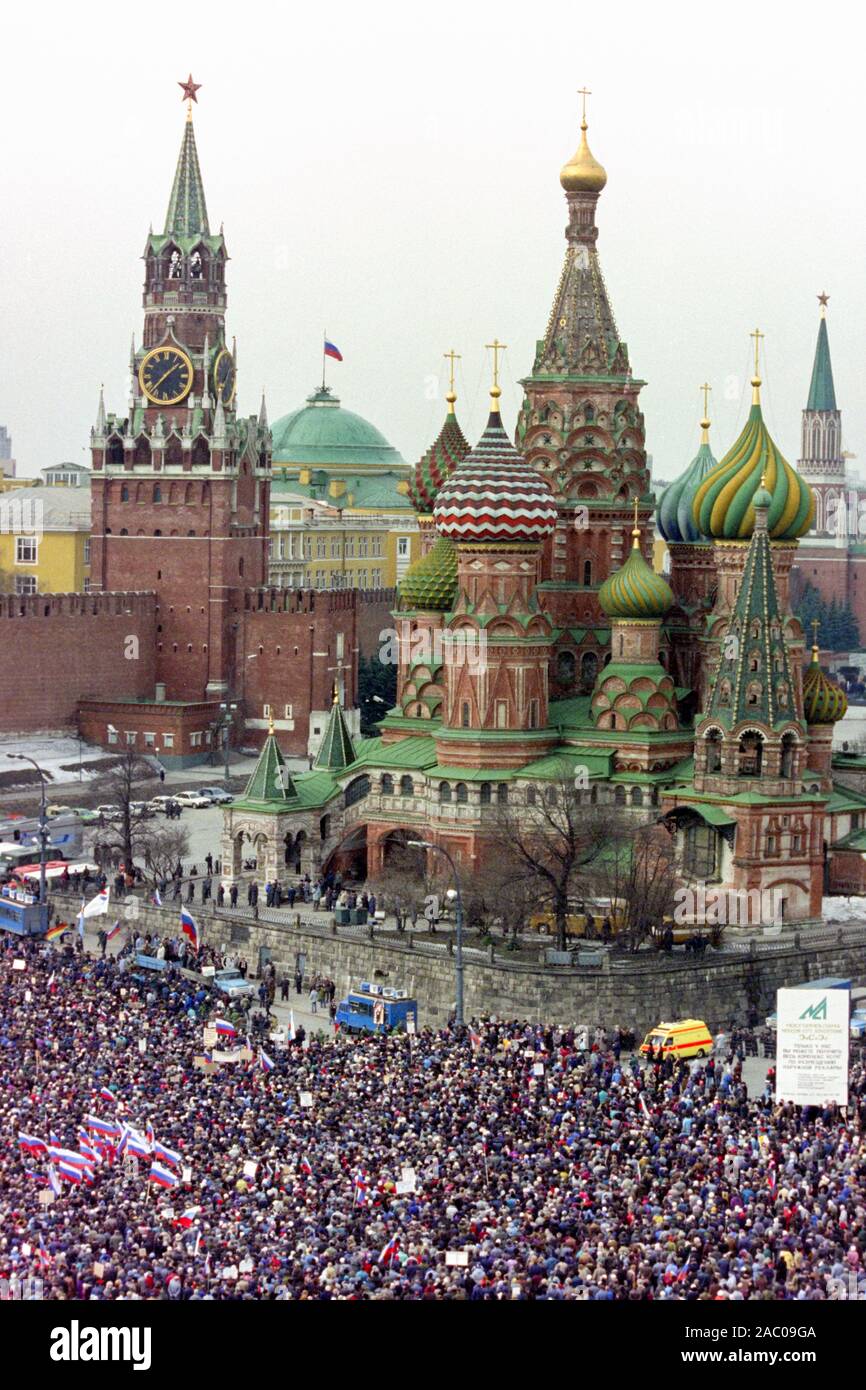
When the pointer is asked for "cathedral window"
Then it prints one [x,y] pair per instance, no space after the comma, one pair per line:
[530,796]
[445,791]
[115,451]
[725,693]
[533,714]
[387,784]
[464,715]
[141,456]
[754,661]
[124,494]
[756,629]
[502,714]
[714,751]
[175,265]
[565,668]
[588,672]
[407,786]
[485,794]
[551,797]
[196,266]
[461,792]
[619,796]
[753,692]
[751,751]
[502,794]
[771,845]
[587,572]
[636,796]
[200,452]
[157,492]
[789,750]
[357,790]
[699,850]
[782,694]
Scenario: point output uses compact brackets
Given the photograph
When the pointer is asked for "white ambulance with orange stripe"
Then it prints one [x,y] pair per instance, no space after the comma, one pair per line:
[688,1038]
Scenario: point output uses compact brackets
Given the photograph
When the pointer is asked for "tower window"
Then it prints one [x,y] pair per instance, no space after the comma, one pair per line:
[587,572]
[464,714]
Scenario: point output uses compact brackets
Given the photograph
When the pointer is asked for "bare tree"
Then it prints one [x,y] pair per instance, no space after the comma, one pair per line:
[162,847]
[406,882]
[639,876]
[550,847]
[125,833]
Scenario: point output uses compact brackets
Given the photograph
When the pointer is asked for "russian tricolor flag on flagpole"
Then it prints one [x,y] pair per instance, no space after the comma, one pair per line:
[189,927]
[331,350]
[115,931]
[31,1143]
[222,1025]
[265,1061]
[162,1175]
[389,1251]
[106,1094]
[187,1217]
[107,1127]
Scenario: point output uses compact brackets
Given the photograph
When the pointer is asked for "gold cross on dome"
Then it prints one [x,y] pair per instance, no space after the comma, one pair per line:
[757,335]
[497,347]
[583,93]
[816,623]
[452,357]
[706,388]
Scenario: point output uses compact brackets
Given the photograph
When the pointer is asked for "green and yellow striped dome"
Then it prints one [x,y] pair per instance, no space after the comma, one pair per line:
[723,507]
[430,584]
[635,591]
[823,701]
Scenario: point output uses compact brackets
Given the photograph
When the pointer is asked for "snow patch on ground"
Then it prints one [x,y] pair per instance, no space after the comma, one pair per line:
[51,752]
[844,910]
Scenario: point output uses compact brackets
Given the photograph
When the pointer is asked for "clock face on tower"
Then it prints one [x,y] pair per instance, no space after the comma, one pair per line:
[225,376]
[165,375]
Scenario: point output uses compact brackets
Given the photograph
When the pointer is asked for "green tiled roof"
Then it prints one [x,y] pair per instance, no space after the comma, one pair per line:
[856,840]
[417,752]
[187,210]
[597,762]
[322,434]
[336,751]
[844,799]
[271,779]
[822,394]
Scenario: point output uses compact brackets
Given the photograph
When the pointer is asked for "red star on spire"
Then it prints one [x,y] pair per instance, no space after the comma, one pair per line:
[189,89]
[822,300]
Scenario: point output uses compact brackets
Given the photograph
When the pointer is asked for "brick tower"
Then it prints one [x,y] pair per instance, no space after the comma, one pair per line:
[181,483]
[582,427]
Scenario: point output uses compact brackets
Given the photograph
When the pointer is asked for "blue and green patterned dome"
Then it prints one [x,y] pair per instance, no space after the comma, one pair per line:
[724,504]
[635,591]
[676,522]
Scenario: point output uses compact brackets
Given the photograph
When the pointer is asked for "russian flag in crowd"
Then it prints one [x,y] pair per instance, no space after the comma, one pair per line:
[106,1094]
[166,1155]
[31,1143]
[306,1167]
[360,1188]
[70,1172]
[265,1061]
[106,1127]
[163,1176]
[331,350]
[115,931]
[187,1217]
[223,1026]
[53,1180]
[68,1156]
[389,1251]
[189,927]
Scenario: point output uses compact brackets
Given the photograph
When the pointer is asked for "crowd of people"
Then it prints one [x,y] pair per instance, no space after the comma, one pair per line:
[503,1161]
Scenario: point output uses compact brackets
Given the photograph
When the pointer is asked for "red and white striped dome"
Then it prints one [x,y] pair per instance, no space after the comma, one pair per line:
[494,495]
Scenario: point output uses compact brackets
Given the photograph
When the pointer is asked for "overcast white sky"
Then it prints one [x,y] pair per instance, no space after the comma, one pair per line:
[389,171]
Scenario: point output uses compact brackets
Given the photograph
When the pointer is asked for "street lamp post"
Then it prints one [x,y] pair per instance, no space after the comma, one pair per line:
[227,715]
[43,836]
[458,953]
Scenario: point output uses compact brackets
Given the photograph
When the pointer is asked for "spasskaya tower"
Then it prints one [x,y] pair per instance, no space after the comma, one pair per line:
[181,482]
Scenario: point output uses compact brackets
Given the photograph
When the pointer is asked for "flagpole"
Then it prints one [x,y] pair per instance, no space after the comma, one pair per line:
[324,340]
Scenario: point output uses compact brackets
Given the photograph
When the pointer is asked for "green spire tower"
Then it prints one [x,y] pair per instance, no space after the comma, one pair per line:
[336,751]
[822,462]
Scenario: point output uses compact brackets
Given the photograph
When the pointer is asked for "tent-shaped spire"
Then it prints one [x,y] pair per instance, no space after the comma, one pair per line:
[271,779]
[336,750]
[187,210]
[753,679]
[822,394]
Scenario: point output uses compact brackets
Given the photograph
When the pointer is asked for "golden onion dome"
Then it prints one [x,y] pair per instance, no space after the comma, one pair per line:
[582,173]
[824,702]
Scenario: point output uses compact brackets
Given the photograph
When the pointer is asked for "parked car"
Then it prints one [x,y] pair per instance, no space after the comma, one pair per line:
[232,984]
[109,812]
[192,799]
[218,795]
[159,803]
[52,811]
[141,808]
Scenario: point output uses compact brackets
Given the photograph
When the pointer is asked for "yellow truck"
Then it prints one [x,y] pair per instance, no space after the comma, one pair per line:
[690,1037]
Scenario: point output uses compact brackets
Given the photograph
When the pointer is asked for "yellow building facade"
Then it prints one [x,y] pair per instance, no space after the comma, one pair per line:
[45,540]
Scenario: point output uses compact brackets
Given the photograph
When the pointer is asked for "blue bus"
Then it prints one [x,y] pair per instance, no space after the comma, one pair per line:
[377,1009]
[21,915]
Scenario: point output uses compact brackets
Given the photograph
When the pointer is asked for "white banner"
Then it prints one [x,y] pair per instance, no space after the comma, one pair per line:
[812,1046]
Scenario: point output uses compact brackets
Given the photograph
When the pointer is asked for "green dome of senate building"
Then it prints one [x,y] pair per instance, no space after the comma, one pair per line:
[322,434]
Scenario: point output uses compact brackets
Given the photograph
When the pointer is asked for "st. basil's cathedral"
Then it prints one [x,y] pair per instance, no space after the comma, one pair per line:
[535,642]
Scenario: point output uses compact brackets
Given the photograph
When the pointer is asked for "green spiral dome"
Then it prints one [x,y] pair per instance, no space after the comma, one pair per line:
[430,583]
[723,506]
[635,591]
[823,701]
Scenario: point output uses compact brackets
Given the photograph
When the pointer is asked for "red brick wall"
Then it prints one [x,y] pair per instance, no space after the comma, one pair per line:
[58,647]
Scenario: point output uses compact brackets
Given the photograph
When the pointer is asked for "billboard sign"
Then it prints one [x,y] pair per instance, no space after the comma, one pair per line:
[812,1046]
